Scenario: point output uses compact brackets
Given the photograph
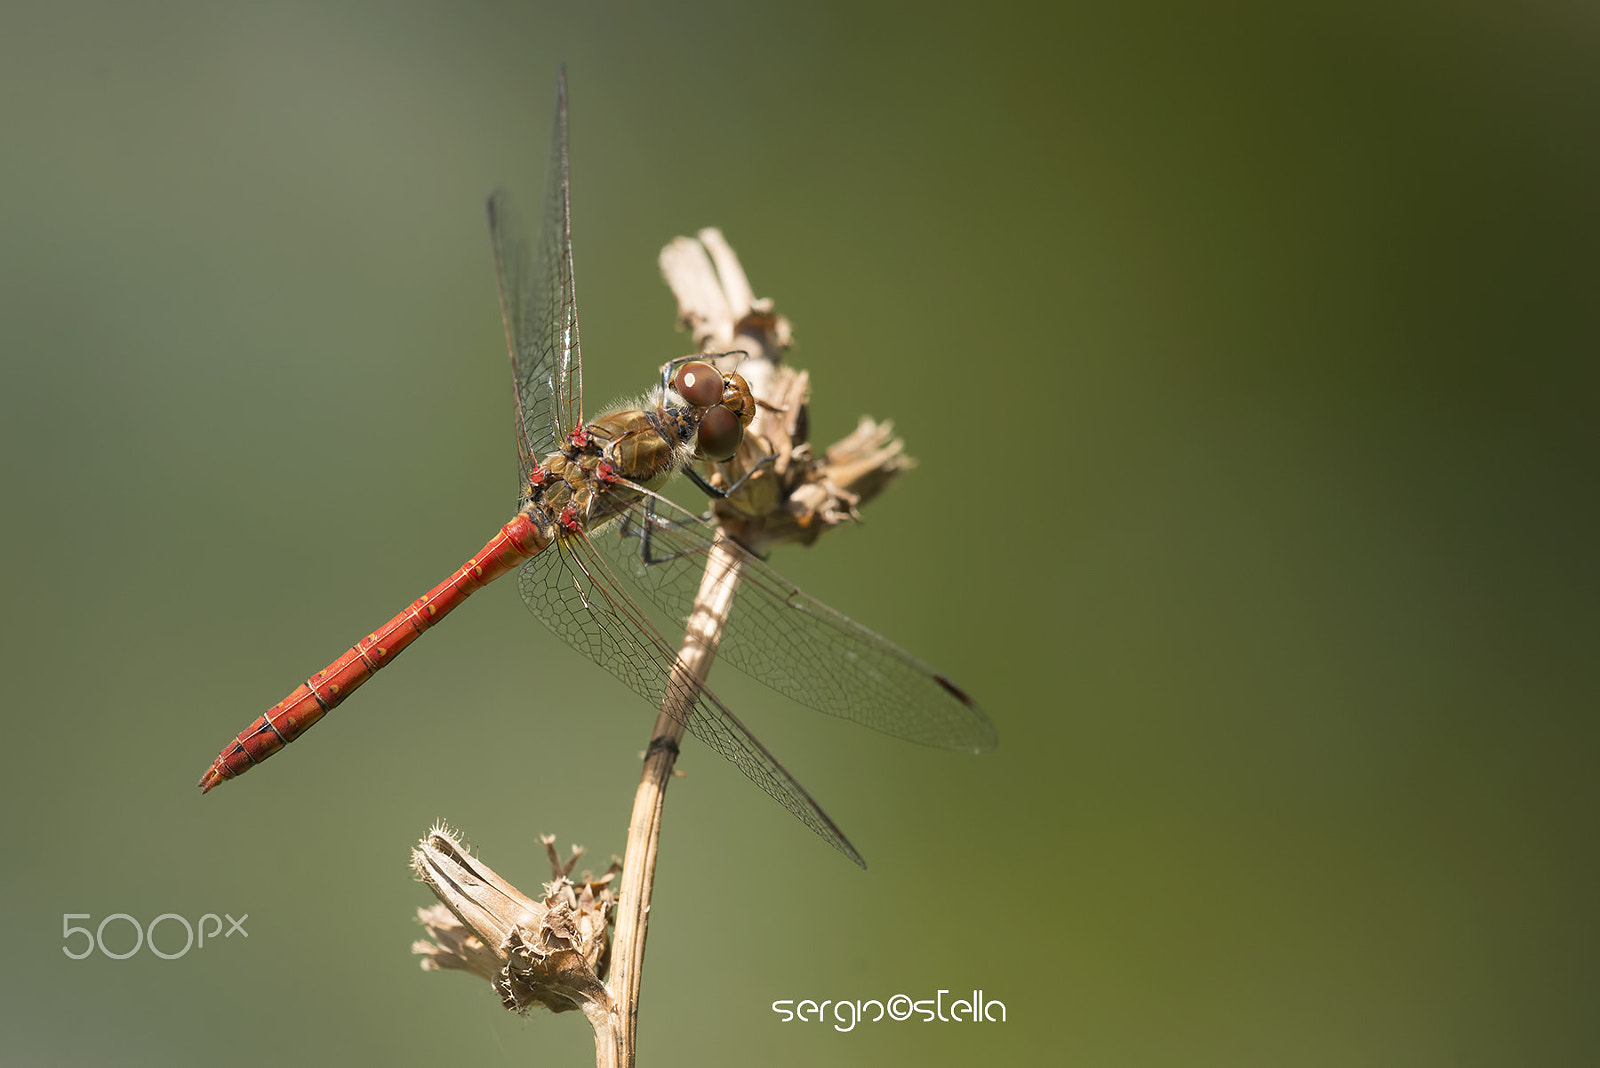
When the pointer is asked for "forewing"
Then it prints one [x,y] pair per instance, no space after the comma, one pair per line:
[570,588]
[538,302]
[789,640]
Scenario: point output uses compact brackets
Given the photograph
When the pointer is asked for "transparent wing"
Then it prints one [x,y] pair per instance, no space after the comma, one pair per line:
[571,589]
[538,301]
[791,641]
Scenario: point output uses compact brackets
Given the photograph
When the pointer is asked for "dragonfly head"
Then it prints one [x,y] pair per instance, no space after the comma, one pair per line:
[726,408]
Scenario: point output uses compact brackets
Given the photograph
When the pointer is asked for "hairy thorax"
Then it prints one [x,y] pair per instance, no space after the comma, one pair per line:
[595,476]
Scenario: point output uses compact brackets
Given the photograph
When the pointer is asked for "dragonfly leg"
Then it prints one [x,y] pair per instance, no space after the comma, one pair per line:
[718,494]
[647,555]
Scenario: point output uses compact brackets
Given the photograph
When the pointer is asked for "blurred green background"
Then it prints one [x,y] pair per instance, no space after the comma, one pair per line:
[1249,358]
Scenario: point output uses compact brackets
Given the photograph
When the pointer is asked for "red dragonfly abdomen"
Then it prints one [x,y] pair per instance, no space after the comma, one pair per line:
[322,692]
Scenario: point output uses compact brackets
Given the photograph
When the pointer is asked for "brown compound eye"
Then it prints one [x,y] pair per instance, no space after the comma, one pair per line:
[720,434]
[699,384]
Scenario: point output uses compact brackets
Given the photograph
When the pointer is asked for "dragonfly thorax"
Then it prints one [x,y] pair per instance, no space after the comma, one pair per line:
[602,466]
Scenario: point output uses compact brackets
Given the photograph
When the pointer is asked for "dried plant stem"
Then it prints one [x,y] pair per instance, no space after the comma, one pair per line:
[794,500]
[703,634]
[712,303]
[607,1047]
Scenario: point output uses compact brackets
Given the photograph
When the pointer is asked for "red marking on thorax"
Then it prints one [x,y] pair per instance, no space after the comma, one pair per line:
[569,519]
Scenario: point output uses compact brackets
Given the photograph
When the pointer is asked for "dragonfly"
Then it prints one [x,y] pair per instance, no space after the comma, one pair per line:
[590,523]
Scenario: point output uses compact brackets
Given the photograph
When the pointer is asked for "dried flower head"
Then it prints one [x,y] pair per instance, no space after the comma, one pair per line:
[551,952]
[791,494]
